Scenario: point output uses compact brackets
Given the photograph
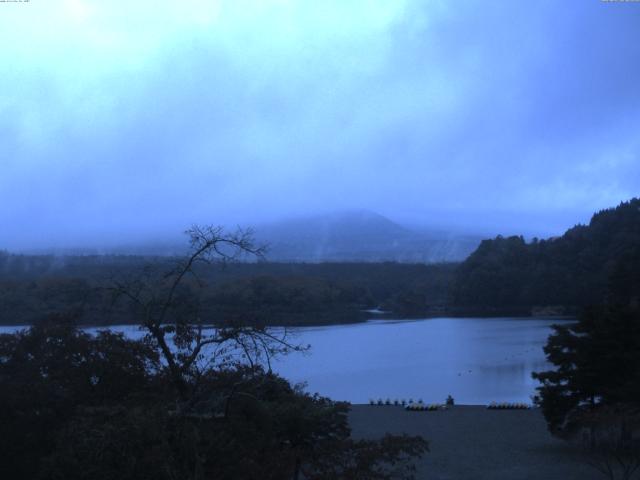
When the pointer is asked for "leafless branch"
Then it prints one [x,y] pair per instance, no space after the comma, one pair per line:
[155,297]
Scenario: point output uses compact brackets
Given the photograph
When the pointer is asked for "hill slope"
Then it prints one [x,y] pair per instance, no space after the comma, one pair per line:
[360,236]
[574,270]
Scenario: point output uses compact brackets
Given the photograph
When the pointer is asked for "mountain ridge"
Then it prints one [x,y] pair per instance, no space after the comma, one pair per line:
[360,235]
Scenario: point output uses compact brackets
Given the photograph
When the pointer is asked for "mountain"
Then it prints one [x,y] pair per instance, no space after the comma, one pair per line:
[348,236]
[359,235]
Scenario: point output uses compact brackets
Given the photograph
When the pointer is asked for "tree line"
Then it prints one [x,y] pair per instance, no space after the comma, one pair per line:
[263,292]
[571,271]
[506,275]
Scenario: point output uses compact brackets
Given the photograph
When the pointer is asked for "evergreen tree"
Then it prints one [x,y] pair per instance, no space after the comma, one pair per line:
[597,363]
[593,394]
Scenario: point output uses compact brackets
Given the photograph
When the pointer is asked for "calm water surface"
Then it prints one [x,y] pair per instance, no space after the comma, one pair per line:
[476,360]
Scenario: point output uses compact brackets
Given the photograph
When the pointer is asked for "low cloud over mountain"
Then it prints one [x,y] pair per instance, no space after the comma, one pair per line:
[360,235]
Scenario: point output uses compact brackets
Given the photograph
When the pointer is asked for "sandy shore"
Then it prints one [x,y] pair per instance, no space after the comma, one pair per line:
[471,442]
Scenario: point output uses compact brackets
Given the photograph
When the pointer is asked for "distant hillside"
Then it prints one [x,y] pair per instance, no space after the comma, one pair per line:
[360,236]
[575,270]
[352,236]
[32,287]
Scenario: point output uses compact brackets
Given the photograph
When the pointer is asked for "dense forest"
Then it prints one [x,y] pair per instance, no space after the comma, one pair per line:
[256,292]
[567,272]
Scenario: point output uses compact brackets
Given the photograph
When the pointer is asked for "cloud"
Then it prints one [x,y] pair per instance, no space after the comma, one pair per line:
[120,120]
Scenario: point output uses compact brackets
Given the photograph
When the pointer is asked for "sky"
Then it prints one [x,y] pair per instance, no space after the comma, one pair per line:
[124,121]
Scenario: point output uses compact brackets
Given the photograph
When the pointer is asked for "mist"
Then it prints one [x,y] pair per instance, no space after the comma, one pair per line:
[122,123]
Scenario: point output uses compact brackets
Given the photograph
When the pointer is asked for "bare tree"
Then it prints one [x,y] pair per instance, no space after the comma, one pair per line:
[168,310]
[610,437]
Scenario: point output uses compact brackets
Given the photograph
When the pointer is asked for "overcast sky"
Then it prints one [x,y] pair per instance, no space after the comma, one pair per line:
[123,120]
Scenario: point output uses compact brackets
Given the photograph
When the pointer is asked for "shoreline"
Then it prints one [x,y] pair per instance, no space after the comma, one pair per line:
[390,318]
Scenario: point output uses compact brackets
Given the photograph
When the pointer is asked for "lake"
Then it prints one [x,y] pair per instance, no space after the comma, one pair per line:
[476,360]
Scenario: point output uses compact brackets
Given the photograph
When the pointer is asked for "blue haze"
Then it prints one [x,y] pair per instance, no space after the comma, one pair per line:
[124,121]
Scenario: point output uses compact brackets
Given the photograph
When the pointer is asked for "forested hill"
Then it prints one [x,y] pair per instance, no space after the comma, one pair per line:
[572,271]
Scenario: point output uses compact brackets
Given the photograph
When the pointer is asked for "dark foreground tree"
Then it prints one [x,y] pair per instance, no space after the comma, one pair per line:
[610,437]
[76,406]
[592,397]
[48,372]
[185,402]
[597,362]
